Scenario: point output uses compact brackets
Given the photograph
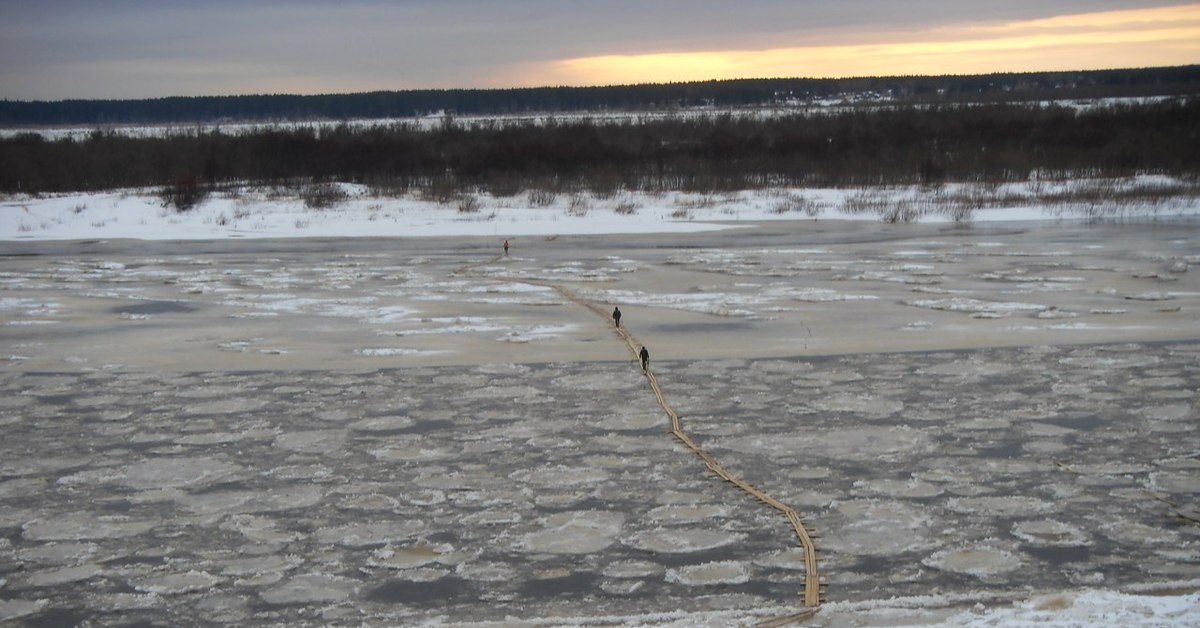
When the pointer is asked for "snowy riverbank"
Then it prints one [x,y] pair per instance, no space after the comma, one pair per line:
[260,213]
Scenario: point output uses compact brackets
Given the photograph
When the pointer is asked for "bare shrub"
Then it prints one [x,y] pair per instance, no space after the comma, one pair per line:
[322,195]
[442,190]
[579,205]
[541,197]
[504,186]
[626,208]
[901,210]
[865,202]
[604,183]
[796,203]
[184,193]
[1101,199]
[468,204]
[707,201]
[961,214]
[682,214]
[388,186]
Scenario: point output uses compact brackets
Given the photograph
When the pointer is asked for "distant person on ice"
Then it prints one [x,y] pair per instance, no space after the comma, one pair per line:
[645,356]
[506,247]
[617,316]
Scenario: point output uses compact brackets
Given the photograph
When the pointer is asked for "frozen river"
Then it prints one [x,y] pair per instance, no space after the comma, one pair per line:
[393,431]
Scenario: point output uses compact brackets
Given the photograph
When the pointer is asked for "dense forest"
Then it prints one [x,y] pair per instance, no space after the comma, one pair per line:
[931,144]
[990,88]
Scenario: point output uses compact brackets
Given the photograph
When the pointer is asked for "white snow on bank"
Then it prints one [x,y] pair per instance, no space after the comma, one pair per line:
[140,214]
[1089,608]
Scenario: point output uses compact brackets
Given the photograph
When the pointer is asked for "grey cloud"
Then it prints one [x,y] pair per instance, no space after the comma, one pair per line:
[73,48]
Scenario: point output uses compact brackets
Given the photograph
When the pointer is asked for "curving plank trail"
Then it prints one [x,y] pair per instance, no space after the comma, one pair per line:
[812,580]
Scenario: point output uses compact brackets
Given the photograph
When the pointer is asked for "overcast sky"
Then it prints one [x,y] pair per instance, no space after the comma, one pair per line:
[59,49]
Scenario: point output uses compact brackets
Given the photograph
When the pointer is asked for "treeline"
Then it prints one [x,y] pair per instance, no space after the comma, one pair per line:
[696,153]
[1012,87]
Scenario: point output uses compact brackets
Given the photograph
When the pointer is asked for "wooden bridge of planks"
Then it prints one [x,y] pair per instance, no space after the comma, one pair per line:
[812,595]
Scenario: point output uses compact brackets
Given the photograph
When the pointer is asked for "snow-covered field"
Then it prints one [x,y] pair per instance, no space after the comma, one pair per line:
[257,213]
[981,422]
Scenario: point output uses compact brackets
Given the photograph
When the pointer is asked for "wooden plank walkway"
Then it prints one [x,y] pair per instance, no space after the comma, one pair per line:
[812,595]
[812,580]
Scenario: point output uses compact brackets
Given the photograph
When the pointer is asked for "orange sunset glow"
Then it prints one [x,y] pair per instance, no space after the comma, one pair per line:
[1130,38]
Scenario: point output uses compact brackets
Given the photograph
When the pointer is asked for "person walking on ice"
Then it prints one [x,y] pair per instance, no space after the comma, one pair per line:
[506,247]
[617,316]
[645,356]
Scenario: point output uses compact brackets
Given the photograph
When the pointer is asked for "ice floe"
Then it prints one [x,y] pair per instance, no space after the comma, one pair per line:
[674,541]
[574,532]
[310,589]
[982,561]
[706,574]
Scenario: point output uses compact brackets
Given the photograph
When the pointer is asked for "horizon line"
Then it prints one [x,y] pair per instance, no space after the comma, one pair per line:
[850,77]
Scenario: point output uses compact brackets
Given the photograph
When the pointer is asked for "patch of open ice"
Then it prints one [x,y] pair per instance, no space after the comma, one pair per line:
[311,589]
[485,572]
[62,575]
[259,565]
[791,559]
[58,553]
[388,423]
[362,534]
[682,541]
[1150,296]
[560,476]
[84,525]
[536,332]
[1185,482]
[1050,533]
[258,529]
[369,502]
[976,306]
[225,406]
[621,587]
[907,489]
[1112,467]
[981,561]
[864,443]
[574,532]
[816,295]
[409,450]
[408,556]
[629,420]
[11,609]
[714,303]
[232,502]
[387,352]
[881,528]
[312,441]
[176,583]
[969,369]
[859,403]
[705,574]
[180,473]
[632,569]
[1009,506]
[686,513]
[21,487]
